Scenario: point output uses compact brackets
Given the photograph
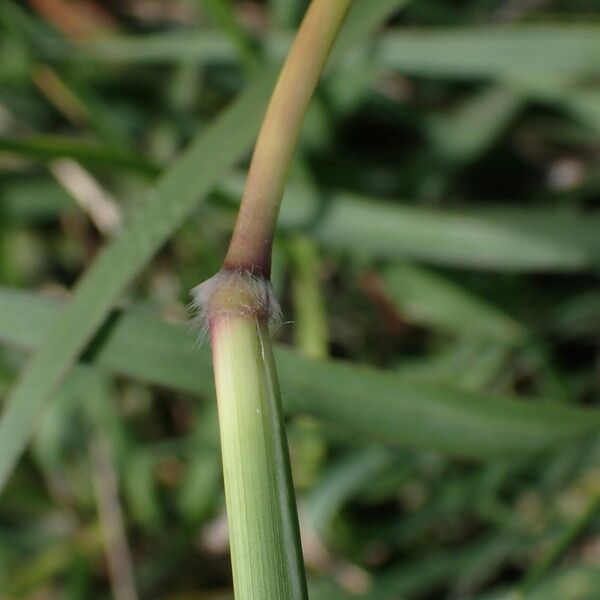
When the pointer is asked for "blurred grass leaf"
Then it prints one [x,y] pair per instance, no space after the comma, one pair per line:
[472,128]
[176,194]
[568,50]
[46,148]
[494,238]
[380,404]
[494,51]
[427,298]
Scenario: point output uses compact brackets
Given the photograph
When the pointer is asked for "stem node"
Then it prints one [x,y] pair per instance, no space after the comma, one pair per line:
[235,292]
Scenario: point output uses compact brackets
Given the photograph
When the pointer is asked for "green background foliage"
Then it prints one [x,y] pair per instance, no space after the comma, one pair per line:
[437,259]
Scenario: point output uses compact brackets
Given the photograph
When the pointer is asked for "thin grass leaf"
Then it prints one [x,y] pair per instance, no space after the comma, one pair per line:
[430,299]
[33,198]
[364,18]
[492,238]
[472,128]
[474,361]
[177,193]
[382,405]
[222,12]
[205,47]
[284,13]
[510,51]
[494,51]
[46,148]
[179,47]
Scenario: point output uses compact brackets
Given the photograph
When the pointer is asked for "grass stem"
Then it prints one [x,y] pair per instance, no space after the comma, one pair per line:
[237,305]
[251,244]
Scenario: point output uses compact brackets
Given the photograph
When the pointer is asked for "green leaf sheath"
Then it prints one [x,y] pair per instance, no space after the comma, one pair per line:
[261,509]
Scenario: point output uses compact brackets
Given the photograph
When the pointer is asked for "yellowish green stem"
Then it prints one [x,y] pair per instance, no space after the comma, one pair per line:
[251,244]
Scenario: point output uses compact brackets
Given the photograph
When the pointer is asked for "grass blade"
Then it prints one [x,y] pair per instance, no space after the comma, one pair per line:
[510,51]
[494,51]
[430,299]
[357,399]
[492,238]
[47,148]
[176,194]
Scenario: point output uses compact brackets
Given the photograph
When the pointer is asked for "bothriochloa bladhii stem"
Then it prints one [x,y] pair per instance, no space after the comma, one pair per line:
[251,244]
[237,305]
